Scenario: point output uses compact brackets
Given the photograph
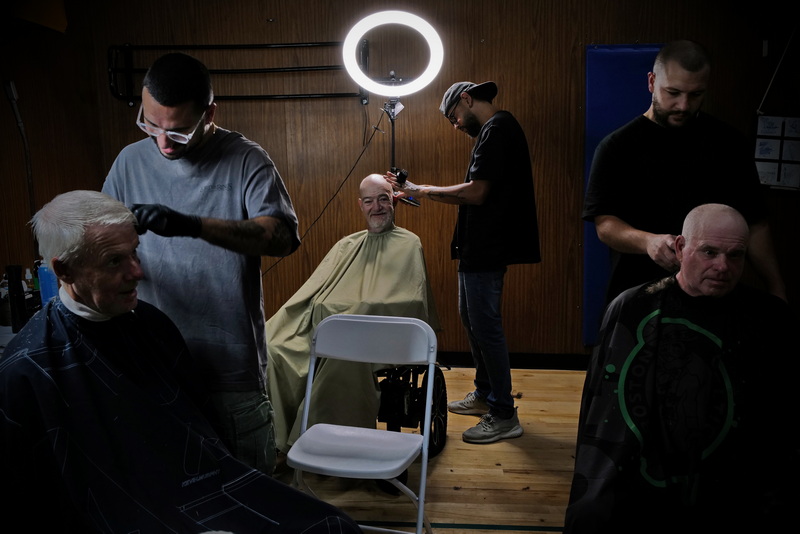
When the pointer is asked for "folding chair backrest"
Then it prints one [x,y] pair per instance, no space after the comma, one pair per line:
[391,340]
[371,339]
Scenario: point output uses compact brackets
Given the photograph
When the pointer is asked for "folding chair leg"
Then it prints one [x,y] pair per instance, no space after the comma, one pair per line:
[414,499]
[367,528]
[299,482]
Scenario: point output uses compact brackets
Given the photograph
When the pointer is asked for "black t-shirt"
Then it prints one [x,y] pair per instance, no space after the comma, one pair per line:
[651,177]
[504,229]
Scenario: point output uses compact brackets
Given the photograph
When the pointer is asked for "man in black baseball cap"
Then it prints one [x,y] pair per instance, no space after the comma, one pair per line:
[483,91]
[497,227]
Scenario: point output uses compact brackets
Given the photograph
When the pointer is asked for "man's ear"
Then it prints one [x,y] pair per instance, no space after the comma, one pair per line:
[680,244]
[211,112]
[62,271]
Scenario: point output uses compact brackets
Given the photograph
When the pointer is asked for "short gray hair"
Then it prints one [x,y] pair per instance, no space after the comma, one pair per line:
[60,226]
[690,55]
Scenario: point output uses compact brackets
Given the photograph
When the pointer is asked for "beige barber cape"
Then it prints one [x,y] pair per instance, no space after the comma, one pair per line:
[364,273]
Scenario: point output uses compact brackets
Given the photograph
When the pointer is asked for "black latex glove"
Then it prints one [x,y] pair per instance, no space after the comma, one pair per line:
[165,221]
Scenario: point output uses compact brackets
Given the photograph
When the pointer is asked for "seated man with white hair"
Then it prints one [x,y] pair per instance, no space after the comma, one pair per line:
[377,271]
[101,421]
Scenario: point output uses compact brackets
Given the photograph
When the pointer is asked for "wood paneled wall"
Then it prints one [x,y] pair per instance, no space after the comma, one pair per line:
[533,49]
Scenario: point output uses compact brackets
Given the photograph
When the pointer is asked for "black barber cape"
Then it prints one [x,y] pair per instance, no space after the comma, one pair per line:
[687,418]
[100,431]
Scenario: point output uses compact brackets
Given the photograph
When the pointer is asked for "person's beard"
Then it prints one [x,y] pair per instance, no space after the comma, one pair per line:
[385,222]
[178,155]
[662,117]
[470,125]
[183,150]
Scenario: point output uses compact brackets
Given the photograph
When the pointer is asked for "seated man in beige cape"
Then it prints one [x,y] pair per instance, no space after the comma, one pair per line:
[377,271]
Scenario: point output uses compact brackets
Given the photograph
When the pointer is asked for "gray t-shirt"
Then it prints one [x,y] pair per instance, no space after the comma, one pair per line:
[212,294]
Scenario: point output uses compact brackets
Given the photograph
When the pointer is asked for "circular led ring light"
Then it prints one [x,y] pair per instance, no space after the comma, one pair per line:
[350,48]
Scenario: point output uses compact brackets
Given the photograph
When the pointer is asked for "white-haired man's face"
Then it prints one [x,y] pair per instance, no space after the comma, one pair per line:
[713,258]
[106,276]
[377,205]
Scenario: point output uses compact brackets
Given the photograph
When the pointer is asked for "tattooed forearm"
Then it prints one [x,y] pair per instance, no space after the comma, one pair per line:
[264,236]
[442,195]
[281,242]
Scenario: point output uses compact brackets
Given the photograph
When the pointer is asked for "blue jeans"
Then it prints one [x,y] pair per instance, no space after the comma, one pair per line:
[479,299]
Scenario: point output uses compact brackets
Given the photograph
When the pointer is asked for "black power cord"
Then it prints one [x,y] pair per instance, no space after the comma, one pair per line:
[375,129]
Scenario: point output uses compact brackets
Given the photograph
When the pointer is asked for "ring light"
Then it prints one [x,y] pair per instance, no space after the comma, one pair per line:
[350,48]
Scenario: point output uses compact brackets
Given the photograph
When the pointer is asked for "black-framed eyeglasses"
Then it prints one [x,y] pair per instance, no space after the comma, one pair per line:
[178,137]
[451,116]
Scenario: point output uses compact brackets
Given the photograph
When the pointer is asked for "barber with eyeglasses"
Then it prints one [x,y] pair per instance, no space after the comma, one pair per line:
[209,203]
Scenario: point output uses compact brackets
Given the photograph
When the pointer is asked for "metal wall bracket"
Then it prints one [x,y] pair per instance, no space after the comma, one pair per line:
[123,70]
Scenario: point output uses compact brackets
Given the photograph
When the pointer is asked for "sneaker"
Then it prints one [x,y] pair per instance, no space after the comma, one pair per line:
[471,405]
[491,429]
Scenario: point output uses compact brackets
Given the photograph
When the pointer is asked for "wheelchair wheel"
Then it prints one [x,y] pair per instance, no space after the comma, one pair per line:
[403,402]
[438,429]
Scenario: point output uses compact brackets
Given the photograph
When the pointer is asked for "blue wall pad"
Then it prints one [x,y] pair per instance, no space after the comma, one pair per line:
[616,92]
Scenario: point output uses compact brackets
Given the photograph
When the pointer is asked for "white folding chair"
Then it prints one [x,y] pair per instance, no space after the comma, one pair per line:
[368,453]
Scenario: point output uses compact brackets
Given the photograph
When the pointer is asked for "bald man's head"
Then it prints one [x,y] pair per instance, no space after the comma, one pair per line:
[711,249]
[376,200]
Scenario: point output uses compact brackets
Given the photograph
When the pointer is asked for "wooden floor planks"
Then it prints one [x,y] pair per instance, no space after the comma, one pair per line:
[512,486]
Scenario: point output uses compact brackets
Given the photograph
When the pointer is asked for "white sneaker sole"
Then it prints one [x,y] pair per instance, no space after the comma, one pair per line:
[510,434]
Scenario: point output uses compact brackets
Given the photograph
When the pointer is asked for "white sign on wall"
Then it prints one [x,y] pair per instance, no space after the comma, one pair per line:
[778,151]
